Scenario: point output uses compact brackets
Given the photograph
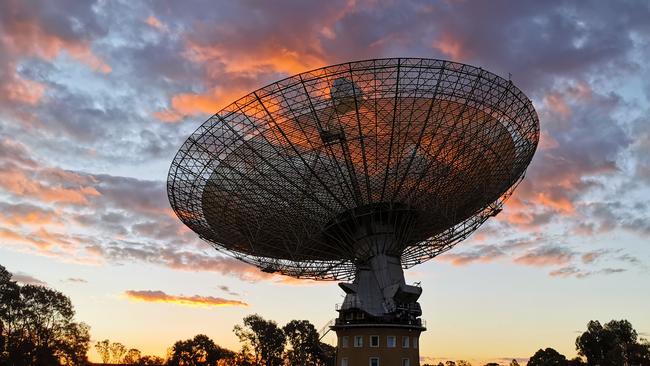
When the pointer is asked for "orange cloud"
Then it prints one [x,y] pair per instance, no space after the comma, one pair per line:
[33,217]
[547,142]
[196,300]
[267,57]
[451,47]
[167,115]
[560,204]
[191,104]
[559,101]
[19,183]
[242,69]
[23,90]
[25,177]
[188,104]
[526,219]
[154,22]
[556,103]
[24,35]
[11,235]
[27,38]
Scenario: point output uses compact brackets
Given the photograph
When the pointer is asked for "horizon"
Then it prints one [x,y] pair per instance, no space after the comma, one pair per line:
[97,97]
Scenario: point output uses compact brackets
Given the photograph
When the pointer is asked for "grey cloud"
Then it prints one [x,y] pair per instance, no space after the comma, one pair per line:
[484,253]
[548,255]
[590,257]
[227,290]
[76,280]
[579,273]
[26,279]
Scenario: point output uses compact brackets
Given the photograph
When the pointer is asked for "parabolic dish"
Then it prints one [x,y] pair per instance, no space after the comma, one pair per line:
[274,177]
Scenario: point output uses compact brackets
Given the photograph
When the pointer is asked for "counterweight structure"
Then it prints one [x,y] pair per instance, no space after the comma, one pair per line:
[355,172]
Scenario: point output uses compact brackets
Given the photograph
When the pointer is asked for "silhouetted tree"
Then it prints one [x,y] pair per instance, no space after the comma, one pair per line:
[547,357]
[117,351]
[641,353]
[265,337]
[450,363]
[38,326]
[327,355]
[491,364]
[576,361]
[104,350]
[463,363]
[303,338]
[198,351]
[151,360]
[514,362]
[132,356]
[615,343]
[244,357]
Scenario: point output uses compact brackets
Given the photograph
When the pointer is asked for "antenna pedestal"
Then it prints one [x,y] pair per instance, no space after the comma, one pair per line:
[379,317]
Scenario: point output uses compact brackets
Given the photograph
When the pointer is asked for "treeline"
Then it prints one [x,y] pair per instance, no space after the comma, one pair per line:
[37,328]
[264,343]
[616,343]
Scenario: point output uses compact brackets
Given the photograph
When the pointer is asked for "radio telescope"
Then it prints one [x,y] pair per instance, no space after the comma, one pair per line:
[355,172]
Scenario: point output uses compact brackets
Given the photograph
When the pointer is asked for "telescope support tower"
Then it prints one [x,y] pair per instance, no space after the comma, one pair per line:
[379,317]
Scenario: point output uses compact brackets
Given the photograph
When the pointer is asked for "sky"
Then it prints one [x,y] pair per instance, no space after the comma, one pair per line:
[97,96]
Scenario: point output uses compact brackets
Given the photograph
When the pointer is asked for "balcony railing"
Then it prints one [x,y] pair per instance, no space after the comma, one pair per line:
[414,322]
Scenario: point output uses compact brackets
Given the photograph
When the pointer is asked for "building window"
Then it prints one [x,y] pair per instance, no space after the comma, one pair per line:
[374,341]
[358,341]
[405,342]
[406,362]
[345,341]
[374,361]
[415,342]
[344,362]
[390,342]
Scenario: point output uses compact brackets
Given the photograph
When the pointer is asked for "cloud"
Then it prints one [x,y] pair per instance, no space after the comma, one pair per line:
[590,257]
[41,31]
[196,300]
[76,280]
[546,256]
[483,254]
[23,177]
[183,259]
[451,47]
[27,214]
[26,279]
[155,23]
[227,290]
[570,271]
